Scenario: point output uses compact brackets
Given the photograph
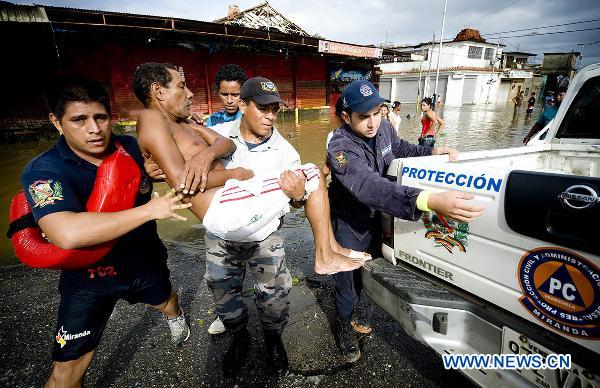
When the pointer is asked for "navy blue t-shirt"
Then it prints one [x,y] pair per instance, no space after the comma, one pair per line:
[58,180]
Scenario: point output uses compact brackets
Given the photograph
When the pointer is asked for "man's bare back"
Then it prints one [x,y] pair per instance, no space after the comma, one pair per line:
[168,140]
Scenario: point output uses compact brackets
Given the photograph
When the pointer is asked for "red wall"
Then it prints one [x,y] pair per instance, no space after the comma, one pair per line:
[276,68]
[124,61]
[312,88]
[301,78]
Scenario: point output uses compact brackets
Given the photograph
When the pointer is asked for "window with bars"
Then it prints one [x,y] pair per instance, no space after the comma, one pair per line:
[489,54]
[475,52]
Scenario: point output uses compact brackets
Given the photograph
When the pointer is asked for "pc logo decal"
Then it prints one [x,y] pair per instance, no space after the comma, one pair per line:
[561,289]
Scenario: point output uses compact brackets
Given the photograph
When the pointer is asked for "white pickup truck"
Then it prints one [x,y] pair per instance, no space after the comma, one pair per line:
[524,277]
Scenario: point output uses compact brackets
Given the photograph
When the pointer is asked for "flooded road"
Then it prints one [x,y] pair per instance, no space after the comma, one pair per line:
[470,127]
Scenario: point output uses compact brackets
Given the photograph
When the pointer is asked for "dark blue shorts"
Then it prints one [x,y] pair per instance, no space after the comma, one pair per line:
[83,312]
[427,141]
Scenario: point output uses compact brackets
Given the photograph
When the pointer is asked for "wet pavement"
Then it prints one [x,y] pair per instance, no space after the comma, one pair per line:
[135,349]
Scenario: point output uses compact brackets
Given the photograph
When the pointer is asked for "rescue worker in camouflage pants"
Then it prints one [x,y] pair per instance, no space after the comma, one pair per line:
[260,147]
[227,262]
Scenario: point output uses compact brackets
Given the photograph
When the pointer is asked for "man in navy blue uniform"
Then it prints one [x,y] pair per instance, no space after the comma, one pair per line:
[359,153]
[57,184]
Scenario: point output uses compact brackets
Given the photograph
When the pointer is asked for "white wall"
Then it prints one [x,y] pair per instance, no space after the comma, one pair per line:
[394,88]
[455,86]
[454,91]
[503,91]
[485,92]
[453,54]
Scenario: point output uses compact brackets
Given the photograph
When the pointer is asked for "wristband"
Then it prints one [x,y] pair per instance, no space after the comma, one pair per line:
[303,199]
[422,200]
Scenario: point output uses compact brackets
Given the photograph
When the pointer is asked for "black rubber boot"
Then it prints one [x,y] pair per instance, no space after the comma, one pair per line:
[276,353]
[346,340]
[236,355]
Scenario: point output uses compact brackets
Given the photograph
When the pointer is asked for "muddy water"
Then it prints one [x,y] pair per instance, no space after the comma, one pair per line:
[467,128]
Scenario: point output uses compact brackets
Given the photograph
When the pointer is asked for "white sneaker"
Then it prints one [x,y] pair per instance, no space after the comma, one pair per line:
[216,327]
[180,331]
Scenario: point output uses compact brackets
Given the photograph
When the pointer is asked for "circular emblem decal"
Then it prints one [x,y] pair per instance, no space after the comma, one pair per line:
[365,90]
[562,290]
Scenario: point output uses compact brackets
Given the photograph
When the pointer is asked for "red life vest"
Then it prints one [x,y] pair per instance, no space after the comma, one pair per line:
[115,188]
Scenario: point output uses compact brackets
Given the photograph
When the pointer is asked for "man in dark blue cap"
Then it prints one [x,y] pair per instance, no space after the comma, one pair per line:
[359,154]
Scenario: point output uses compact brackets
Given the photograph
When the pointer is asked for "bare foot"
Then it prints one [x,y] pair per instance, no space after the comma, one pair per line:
[359,255]
[352,253]
[335,263]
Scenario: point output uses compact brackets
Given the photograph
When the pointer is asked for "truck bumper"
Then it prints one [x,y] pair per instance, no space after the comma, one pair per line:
[443,320]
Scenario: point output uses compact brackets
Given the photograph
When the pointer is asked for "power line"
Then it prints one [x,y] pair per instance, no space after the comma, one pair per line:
[542,27]
[491,13]
[320,7]
[304,7]
[532,34]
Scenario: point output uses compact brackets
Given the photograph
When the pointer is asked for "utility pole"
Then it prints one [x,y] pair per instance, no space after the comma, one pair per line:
[583,46]
[492,80]
[419,84]
[426,88]
[437,74]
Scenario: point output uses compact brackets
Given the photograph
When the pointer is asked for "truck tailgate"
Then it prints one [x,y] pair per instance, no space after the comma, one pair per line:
[554,286]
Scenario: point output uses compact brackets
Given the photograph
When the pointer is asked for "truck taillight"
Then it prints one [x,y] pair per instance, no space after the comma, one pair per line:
[387,228]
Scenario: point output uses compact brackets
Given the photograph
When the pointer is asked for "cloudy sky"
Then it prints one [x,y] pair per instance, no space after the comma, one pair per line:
[406,21]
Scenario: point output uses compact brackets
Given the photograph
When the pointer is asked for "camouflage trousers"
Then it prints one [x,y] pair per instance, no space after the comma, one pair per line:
[226,264]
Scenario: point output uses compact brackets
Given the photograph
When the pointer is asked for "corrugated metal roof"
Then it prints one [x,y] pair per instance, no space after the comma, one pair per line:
[101,11]
[22,13]
[200,25]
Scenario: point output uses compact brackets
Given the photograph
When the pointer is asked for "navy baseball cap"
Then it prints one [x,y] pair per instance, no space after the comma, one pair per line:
[261,90]
[361,96]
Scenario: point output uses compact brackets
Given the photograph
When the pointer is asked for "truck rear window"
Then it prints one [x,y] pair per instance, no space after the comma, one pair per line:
[581,119]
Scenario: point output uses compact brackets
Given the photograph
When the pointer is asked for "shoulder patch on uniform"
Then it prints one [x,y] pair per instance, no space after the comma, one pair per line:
[45,192]
[341,158]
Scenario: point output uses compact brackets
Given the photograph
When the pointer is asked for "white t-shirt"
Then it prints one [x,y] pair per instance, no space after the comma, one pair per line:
[329,136]
[395,119]
[275,154]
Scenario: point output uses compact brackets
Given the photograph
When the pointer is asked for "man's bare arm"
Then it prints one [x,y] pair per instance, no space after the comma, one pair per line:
[440,122]
[154,137]
[70,230]
[194,175]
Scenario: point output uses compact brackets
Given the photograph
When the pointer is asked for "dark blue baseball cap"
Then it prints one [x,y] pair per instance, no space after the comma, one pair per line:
[361,96]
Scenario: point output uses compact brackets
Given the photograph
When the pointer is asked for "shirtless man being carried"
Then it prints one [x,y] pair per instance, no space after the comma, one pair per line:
[253,206]
[181,148]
